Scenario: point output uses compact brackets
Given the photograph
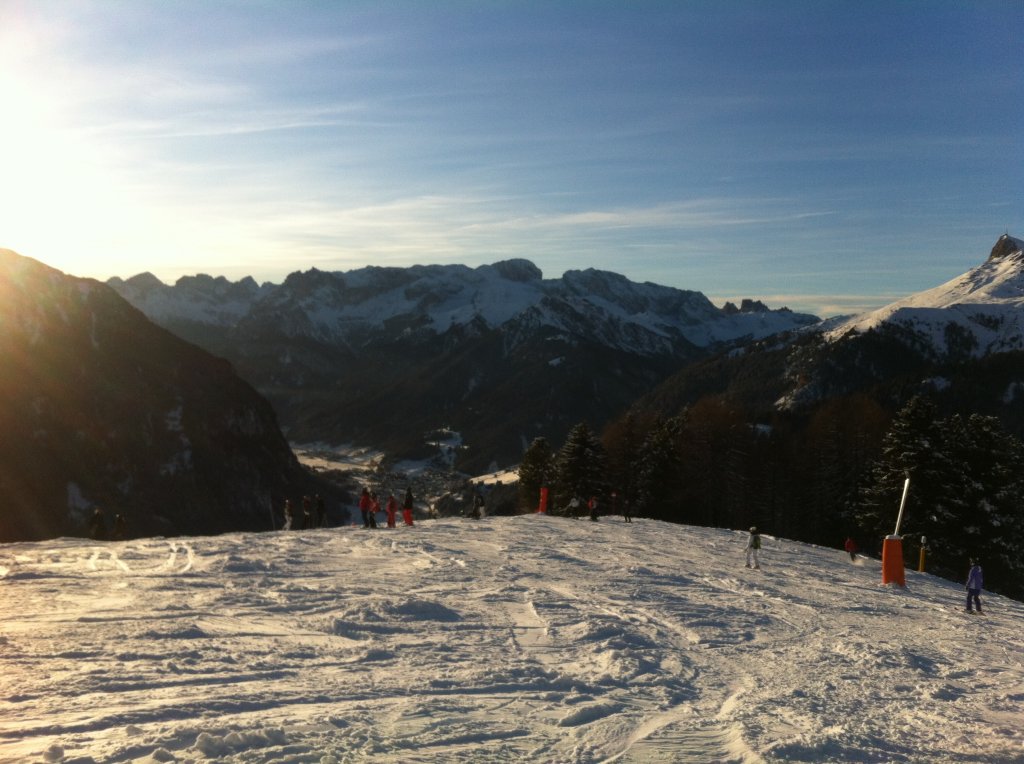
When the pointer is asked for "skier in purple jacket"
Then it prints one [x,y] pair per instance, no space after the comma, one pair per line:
[974,584]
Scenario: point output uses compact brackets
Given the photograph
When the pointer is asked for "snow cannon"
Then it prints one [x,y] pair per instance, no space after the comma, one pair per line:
[892,548]
[892,561]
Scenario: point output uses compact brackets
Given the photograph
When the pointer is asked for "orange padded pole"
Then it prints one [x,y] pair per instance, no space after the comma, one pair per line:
[892,561]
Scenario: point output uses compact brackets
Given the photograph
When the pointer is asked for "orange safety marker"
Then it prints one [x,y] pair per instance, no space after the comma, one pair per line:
[542,508]
[892,548]
[892,561]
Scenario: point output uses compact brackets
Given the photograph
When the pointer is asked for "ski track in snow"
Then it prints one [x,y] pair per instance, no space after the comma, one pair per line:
[502,640]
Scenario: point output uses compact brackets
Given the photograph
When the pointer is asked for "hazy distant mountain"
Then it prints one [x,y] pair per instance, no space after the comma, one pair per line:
[103,407]
[384,355]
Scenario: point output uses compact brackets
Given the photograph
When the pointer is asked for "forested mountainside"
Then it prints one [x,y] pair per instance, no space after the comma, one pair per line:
[811,435]
[102,408]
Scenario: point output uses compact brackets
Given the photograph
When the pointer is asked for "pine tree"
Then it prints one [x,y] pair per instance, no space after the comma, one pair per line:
[658,469]
[991,527]
[914,447]
[622,442]
[580,468]
[535,470]
[966,492]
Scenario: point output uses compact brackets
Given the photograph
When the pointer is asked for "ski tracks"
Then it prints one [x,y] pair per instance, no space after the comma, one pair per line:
[180,558]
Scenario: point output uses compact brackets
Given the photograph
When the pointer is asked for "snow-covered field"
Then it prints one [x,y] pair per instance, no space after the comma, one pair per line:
[527,639]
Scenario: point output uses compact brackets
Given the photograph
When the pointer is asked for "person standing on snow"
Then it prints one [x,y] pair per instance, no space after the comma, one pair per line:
[753,544]
[478,507]
[374,508]
[592,505]
[364,507]
[851,547]
[98,525]
[574,507]
[118,533]
[289,515]
[407,507]
[974,585]
[391,507]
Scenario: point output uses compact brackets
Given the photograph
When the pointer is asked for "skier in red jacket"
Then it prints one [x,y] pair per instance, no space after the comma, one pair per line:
[407,507]
[391,508]
[851,547]
[364,507]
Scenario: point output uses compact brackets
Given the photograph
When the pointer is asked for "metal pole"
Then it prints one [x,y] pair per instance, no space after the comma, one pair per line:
[903,502]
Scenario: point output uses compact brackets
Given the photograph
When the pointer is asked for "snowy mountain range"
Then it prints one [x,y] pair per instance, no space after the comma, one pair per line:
[978,313]
[360,307]
[384,355]
[962,341]
[526,639]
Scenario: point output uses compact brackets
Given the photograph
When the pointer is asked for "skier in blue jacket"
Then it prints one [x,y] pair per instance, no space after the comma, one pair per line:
[974,584]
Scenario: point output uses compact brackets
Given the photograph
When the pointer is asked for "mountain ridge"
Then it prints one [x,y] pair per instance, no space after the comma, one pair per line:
[384,354]
[983,307]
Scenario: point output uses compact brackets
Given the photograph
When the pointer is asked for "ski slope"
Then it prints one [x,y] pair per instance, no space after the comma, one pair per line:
[527,639]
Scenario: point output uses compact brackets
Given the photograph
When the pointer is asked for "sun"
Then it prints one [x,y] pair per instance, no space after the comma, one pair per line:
[65,199]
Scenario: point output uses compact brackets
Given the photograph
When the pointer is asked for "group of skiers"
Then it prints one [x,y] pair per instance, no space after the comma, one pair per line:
[573,510]
[369,506]
[98,526]
[314,514]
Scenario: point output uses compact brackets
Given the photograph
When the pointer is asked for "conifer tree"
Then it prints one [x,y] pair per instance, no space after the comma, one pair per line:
[991,526]
[658,470]
[535,470]
[913,447]
[967,487]
[580,467]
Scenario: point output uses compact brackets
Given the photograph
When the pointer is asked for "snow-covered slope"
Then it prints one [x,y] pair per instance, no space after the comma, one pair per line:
[503,640]
[986,304]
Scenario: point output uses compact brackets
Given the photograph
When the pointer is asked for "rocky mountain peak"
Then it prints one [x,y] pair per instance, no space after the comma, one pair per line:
[518,270]
[1006,246]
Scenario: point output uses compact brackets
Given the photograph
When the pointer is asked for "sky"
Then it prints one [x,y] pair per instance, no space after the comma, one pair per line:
[827,156]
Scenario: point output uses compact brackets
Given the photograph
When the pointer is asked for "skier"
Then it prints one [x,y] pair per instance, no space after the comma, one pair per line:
[364,507]
[98,525]
[374,508]
[119,527]
[478,507]
[307,514]
[851,547]
[627,511]
[407,507]
[592,505]
[974,584]
[391,507]
[321,512]
[574,506]
[288,515]
[753,544]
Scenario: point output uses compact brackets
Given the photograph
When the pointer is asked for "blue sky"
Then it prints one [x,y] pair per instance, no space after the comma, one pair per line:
[829,156]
